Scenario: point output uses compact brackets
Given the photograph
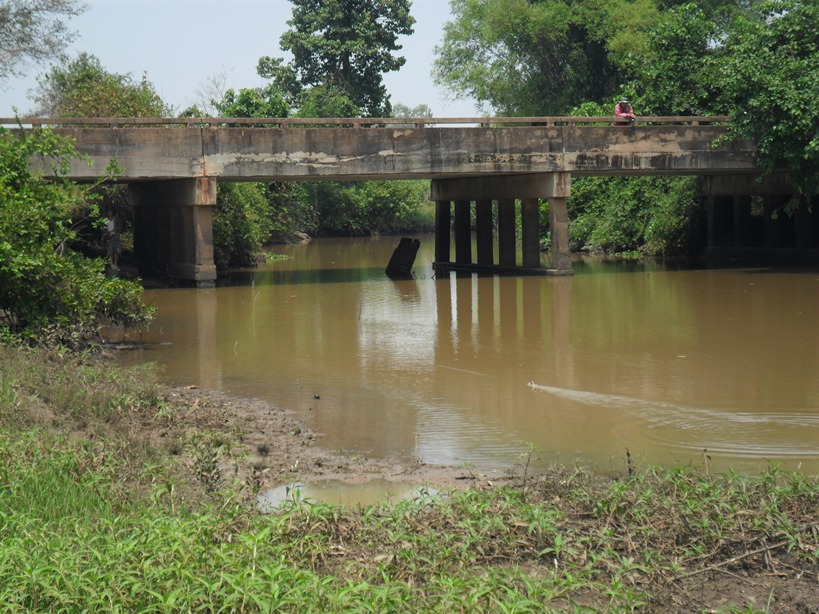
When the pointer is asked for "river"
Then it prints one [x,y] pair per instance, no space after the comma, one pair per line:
[663,364]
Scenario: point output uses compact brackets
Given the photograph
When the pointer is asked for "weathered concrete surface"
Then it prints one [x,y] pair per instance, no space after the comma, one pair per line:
[173,228]
[267,154]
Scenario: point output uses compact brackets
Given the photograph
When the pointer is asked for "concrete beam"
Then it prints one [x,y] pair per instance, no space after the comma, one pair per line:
[281,154]
[503,187]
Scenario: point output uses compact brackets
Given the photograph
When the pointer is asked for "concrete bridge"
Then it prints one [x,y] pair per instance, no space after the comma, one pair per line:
[172,166]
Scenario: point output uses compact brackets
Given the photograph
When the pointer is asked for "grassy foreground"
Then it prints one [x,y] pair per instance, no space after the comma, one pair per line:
[93,519]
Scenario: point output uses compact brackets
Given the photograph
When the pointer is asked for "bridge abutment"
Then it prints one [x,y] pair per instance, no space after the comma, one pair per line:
[173,228]
[458,195]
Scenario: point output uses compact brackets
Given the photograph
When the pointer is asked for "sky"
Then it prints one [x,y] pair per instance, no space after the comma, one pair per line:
[181,44]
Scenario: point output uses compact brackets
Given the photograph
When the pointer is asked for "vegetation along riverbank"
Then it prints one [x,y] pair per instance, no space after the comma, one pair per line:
[118,494]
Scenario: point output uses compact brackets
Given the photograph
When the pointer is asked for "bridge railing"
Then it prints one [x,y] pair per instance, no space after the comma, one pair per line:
[342,122]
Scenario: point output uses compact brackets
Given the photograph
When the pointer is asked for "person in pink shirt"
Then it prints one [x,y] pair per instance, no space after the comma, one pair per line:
[624,113]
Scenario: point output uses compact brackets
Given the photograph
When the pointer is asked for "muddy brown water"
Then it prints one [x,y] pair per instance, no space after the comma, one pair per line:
[667,365]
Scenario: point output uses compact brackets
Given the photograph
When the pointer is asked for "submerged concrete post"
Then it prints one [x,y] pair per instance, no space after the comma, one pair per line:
[443,223]
[173,228]
[483,231]
[463,232]
[506,232]
[530,232]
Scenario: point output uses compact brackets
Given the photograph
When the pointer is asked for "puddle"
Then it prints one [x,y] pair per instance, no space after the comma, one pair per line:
[337,492]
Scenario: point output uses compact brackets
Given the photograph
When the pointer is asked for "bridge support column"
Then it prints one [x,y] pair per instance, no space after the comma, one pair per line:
[506,232]
[506,190]
[483,231]
[443,228]
[530,232]
[463,232]
[559,222]
[173,228]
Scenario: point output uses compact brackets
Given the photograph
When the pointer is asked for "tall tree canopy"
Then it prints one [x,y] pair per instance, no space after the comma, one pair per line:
[525,57]
[34,31]
[342,45]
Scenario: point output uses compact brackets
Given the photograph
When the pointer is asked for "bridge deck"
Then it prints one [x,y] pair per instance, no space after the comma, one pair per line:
[242,149]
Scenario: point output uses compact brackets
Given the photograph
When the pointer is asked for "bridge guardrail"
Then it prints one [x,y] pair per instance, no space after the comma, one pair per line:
[343,122]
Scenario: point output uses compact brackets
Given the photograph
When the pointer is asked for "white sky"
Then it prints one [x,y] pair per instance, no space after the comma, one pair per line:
[181,43]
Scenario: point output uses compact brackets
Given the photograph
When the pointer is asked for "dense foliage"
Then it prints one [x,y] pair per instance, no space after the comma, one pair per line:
[528,58]
[48,291]
[370,207]
[84,88]
[252,102]
[768,71]
[241,224]
[609,215]
[344,46]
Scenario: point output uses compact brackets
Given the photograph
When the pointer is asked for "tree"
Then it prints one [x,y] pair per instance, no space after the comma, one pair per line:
[768,70]
[252,102]
[33,31]
[48,291]
[527,57]
[342,45]
[83,88]
[660,83]
[402,110]
[324,101]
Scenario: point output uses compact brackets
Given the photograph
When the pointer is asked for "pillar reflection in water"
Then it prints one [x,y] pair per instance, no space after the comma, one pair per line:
[493,333]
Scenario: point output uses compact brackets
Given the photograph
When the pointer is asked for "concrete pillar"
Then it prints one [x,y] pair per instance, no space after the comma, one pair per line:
[559,222]
[530,232]
[483,228]
[443,223]
[769,226]
[738,242]
[173,228]
[803,227]
[708,189]
[506,232]
[463,232]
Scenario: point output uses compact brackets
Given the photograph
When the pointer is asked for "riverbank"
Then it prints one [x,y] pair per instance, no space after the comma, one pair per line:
[118,492]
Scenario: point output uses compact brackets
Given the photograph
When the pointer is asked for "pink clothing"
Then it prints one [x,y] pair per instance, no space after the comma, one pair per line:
[623,109]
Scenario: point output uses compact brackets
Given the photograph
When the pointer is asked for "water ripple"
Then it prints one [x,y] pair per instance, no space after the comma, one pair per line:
[730,432]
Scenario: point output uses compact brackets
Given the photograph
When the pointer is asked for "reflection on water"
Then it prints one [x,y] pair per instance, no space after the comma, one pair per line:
[663,362]
[372,492]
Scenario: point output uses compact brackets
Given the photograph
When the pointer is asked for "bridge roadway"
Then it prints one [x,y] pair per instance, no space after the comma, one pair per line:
[172,166]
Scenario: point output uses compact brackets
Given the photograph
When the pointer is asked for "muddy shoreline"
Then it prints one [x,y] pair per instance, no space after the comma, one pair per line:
[268,446]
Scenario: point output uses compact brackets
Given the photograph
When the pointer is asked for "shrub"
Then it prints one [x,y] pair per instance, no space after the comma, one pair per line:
[48,291]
